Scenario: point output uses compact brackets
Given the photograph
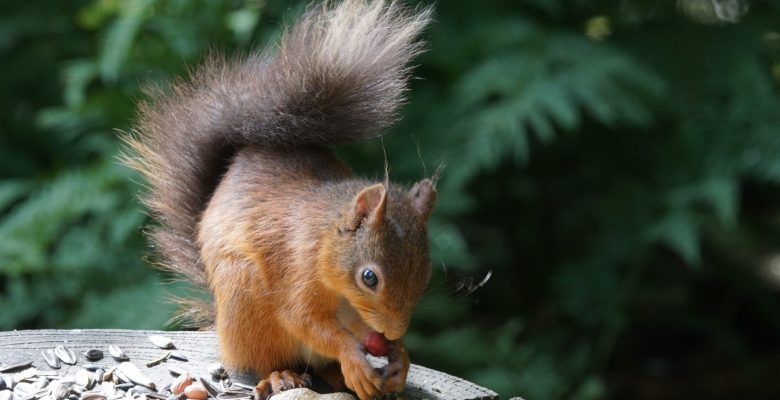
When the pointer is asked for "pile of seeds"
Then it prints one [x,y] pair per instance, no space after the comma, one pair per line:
[123,381]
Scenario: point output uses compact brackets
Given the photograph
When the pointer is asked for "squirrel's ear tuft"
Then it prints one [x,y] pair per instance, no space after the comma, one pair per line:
[423,197]
[368,206]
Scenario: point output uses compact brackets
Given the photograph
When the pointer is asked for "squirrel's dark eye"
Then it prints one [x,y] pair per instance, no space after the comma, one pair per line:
[369,278]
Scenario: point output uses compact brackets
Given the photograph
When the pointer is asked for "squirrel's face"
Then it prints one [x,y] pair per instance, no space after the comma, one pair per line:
[382,254]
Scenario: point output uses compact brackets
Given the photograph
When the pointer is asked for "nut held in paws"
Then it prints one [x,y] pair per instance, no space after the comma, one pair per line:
[376,344]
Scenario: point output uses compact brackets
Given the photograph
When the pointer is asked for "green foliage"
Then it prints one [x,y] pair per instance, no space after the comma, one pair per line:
[614,164]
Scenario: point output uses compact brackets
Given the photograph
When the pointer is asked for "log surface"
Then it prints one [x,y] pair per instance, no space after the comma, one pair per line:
[201,348]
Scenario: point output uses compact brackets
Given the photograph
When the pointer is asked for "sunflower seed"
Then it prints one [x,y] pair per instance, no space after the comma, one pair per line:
[134,375]
[41,382]
[93,354]
[65,354]
[40,394]
[138,389]
[8,379]
[119,376]
[117,353]
[98,375]
[26,374]
[51,359]
[226,384]
[93,396]
[24,389]
[59,390]
[85,378]
[108,388]
[161,341]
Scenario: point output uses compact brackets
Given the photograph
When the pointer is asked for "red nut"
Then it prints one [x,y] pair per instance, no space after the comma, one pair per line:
[376,344]
[180,383]
[196,391]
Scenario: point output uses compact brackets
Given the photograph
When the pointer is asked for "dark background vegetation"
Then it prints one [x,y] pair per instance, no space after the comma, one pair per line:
[615,164]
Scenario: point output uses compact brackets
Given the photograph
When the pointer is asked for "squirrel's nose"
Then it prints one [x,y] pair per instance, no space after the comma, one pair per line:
[397,331]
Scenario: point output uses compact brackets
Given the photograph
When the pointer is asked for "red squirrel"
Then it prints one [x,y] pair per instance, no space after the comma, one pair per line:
[305,261]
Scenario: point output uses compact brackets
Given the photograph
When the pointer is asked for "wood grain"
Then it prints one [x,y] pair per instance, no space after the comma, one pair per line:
[201,349]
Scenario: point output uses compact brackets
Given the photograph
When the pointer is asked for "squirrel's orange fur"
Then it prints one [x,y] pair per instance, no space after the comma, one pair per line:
[253,206]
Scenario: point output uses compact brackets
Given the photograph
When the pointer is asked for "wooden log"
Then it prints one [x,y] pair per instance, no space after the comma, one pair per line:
[201,349]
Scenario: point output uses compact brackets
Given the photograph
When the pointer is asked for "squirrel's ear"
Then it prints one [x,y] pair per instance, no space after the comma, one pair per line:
[369,205]
[423,197]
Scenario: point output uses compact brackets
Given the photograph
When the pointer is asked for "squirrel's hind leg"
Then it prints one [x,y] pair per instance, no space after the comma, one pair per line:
[277,382]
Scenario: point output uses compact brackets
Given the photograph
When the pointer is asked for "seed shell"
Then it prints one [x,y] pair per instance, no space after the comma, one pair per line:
[242,386]
[85,378]
[98,374]
[24,389]
[178,355]
[158,360]
[8,381]
[108,388]
[135,375]
[41,382]
[25,374]
[60,390]
[161,341]
[65,354]
[93,396]
[17,366]
[51,359]
[119,377]
[176,371]
[117,353]
[6,395]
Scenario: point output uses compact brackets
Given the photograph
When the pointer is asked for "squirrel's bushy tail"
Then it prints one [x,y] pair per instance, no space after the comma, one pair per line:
[338,75]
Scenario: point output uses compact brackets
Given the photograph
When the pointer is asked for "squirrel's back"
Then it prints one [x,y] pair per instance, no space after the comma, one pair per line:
[338,75]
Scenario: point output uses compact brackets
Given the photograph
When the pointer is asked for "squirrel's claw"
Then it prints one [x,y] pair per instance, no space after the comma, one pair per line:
[278,382]
[394,373]
[361,378]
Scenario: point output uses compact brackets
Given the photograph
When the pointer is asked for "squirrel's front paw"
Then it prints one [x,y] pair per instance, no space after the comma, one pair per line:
[395,372]
[280,381]
[360,377]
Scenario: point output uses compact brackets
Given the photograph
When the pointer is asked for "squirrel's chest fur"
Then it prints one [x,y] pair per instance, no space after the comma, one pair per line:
[259,237]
